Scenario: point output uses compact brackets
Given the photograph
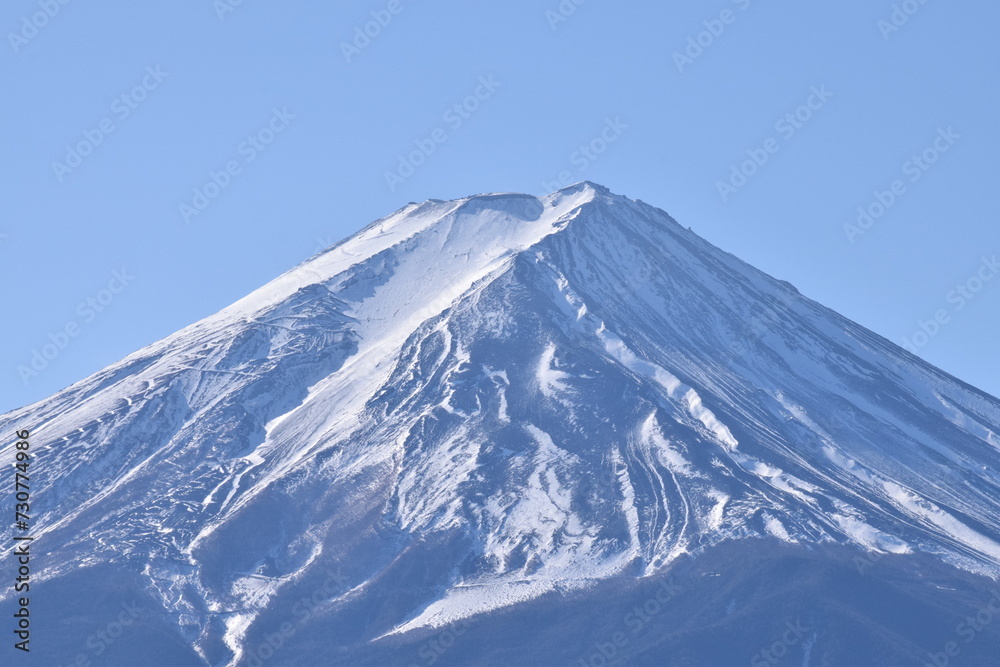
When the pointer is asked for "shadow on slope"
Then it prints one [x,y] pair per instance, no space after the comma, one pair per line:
[751,603]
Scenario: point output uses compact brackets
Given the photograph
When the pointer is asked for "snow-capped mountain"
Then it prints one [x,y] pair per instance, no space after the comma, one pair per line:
[480,418]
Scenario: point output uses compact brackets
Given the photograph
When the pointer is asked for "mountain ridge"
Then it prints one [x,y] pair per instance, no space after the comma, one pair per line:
[555,392]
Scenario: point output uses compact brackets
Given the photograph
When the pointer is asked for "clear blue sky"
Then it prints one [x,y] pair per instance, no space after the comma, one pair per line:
[198,80]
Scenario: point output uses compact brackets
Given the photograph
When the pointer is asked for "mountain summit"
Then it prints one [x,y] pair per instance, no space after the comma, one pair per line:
[491,431]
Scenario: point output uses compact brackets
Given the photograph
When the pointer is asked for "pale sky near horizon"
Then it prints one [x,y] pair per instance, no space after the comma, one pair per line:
[162,160]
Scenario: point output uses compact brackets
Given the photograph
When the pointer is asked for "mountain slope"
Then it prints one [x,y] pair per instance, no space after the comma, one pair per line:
[472,406]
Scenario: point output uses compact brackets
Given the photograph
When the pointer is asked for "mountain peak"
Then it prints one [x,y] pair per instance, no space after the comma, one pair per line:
[472,235]
[471,404]
[586,185]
